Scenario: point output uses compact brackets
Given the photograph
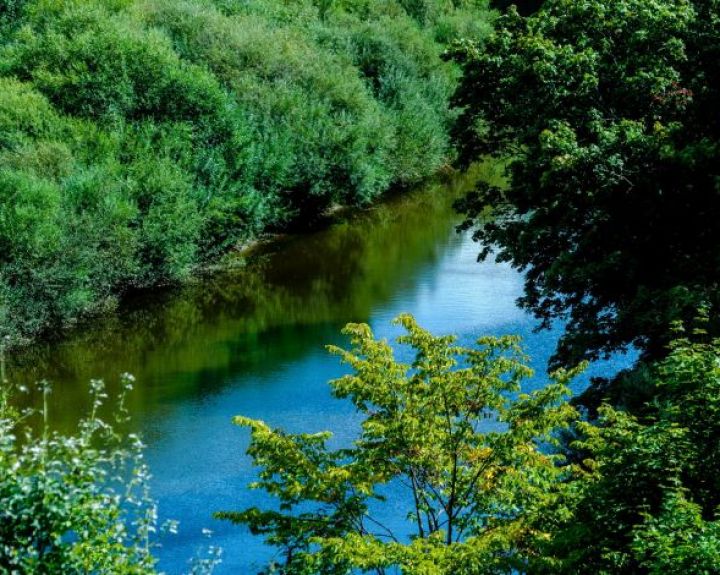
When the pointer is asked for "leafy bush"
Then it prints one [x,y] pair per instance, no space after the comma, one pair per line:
[648,497]
[67,503]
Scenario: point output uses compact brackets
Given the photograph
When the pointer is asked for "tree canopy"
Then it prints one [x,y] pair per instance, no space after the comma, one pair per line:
[468,455]
[607,110]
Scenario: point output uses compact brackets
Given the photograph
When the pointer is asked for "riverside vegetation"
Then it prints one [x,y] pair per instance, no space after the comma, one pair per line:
[140,140]
[606,109]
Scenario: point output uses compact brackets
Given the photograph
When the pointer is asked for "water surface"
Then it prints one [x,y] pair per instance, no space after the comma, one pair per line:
[251,341]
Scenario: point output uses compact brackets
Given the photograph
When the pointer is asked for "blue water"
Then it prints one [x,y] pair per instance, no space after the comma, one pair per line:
[251,342]
[198,455]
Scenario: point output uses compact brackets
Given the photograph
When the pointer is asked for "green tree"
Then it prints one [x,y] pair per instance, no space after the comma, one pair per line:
[608,111]
[471,453]
[648,499]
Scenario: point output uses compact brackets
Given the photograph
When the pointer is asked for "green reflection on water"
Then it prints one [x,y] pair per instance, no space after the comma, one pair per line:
[252,318]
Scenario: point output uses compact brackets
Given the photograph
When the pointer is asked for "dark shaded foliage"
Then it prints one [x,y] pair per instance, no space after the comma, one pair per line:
[608,110]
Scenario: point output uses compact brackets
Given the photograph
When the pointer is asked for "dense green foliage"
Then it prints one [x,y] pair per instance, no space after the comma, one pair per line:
[471,494]
[649,500]
[140,139]
[608,109]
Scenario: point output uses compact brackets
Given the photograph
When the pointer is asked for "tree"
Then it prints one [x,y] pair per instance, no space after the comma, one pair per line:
[648,499]
[607,109]
[472,456]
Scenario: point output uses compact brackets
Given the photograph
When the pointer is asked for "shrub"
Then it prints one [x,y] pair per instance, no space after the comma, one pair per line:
[140,140]
[69,506]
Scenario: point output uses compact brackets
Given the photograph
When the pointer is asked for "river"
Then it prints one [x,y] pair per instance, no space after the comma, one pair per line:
[251,341]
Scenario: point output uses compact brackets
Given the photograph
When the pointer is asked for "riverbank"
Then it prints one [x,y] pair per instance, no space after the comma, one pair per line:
[248,255]
[142,141]
[329,275]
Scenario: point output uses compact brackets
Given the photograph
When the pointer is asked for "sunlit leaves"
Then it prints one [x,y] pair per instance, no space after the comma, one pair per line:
[470,453]
[647,499]
[157,136]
